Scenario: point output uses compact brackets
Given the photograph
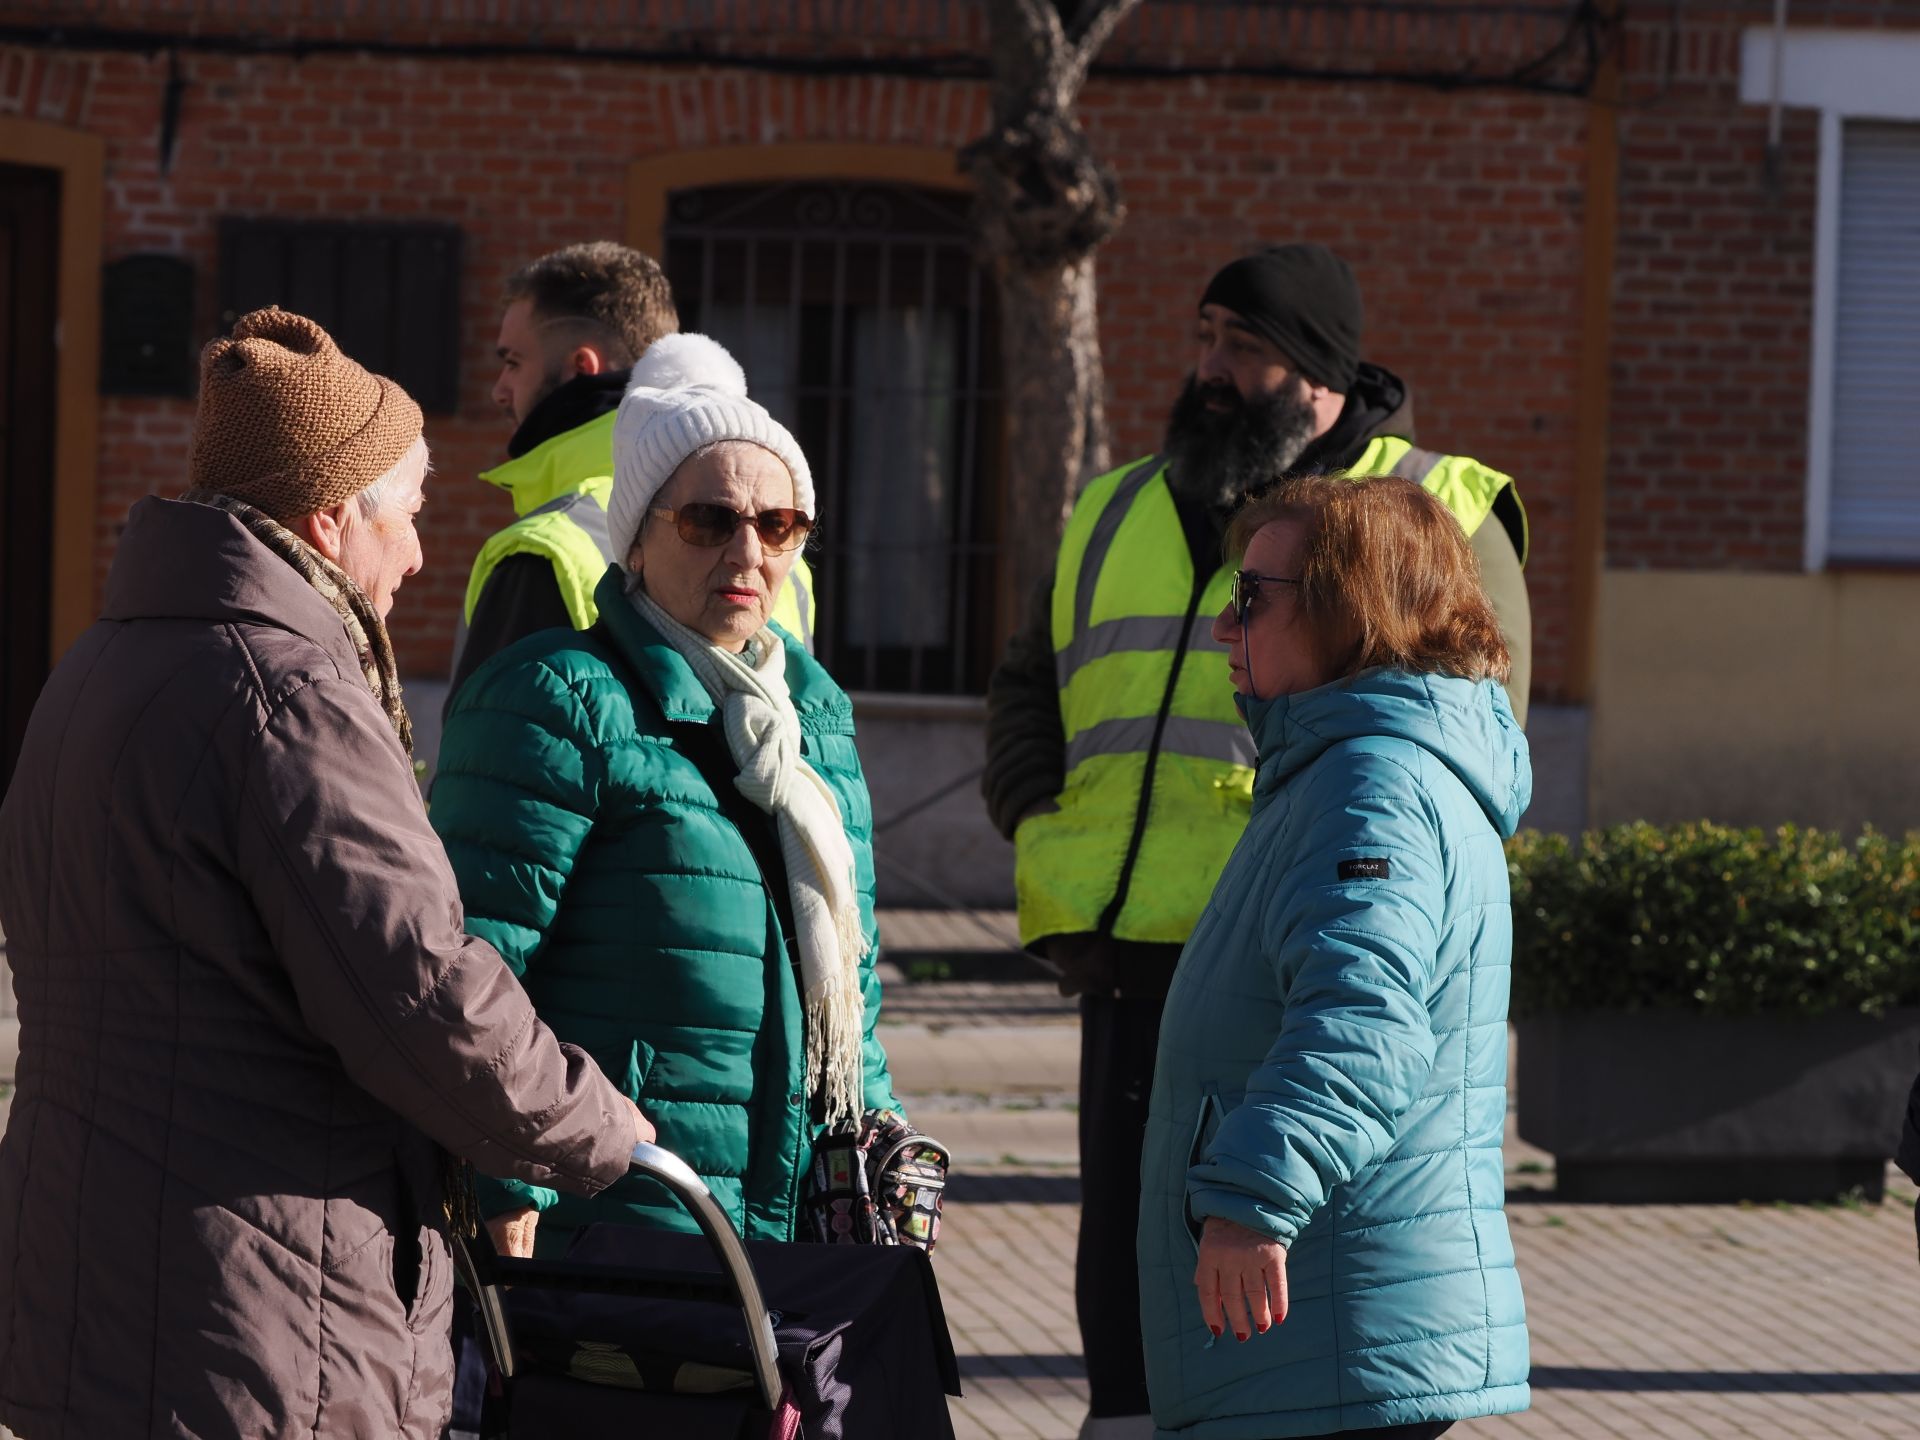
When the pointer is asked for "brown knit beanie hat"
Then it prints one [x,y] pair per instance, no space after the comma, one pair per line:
[288,423]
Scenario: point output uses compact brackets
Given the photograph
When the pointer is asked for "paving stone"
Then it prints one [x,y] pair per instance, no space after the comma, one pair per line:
[1647,1321]
[1710,1321]
[948,932]
[983,1059]
[943,1004]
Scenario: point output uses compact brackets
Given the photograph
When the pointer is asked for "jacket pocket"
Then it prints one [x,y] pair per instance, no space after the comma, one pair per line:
[1206,1122]
[418,1264]
[433,1277]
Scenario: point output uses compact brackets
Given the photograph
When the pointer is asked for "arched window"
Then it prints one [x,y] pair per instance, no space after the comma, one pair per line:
[865,326]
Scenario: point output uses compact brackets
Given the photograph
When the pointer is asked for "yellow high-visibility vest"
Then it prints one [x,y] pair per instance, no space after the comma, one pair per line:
[1159,774]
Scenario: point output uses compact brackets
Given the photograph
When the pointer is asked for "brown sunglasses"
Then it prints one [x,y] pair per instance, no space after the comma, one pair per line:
[708,525]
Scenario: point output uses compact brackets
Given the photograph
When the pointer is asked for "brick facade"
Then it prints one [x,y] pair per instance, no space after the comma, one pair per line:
[1713,296]
[1463,213]
[524,157]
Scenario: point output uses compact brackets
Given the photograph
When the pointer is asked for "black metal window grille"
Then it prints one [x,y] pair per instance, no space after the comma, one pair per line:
[387,292]
[866,328]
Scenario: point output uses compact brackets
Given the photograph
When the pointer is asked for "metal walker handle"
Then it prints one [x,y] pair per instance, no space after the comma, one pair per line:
[692,1192]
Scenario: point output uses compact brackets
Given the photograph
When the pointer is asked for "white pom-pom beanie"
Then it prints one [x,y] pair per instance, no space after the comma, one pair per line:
[686,392]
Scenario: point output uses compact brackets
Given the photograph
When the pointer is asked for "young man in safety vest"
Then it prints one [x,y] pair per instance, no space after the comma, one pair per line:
[575,322]
[1117,762]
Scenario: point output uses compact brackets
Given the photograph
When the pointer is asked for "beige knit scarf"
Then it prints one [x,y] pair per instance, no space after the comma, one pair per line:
[363,624]
[763,735]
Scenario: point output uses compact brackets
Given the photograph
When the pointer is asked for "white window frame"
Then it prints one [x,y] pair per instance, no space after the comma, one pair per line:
[1845,75]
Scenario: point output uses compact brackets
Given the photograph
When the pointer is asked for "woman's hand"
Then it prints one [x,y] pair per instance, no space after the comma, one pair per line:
[512,1232]
[1242,1279]
[642,1127]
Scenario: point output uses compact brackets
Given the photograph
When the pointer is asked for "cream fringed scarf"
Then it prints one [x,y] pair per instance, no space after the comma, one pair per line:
[763,734]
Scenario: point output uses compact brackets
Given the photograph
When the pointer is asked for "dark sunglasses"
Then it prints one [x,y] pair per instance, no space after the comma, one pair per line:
[708,525]
[1246,587]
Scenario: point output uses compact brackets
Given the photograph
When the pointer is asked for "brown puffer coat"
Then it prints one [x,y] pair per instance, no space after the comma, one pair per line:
[245,1003]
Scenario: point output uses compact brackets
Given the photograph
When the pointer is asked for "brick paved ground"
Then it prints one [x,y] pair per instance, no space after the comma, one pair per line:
[1659,1321]
[1651,1321]
[1686,1322]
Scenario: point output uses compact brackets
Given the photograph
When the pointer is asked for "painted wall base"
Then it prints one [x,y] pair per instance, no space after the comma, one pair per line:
[1757,699]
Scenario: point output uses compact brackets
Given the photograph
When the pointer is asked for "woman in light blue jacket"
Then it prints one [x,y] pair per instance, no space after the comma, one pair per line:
[1323,1249]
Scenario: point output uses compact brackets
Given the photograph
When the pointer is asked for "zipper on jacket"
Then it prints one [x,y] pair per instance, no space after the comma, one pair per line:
[1111,915]
[740,813]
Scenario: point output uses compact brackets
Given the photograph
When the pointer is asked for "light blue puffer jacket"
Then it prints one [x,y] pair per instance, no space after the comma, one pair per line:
[1332,1073]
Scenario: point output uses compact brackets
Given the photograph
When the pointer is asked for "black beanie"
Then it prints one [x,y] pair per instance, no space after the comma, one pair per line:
[1305,300]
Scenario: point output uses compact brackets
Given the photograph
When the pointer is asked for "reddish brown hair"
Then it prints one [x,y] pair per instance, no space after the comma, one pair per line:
[1386,576]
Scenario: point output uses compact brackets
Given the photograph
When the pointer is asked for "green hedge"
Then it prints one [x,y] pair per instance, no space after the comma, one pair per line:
[1708,918]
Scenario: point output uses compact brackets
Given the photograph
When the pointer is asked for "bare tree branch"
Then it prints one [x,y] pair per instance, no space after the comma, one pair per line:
[1043,204]
[1093,25]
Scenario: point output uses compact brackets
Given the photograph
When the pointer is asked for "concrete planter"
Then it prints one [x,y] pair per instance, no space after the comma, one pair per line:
[1667,1106]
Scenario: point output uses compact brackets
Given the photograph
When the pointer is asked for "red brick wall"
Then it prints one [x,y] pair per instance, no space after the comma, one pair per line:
[1713,296]
[1461,213]
[523,157]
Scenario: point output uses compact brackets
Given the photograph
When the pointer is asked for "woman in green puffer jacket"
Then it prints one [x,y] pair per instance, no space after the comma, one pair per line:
[661,822]
[1323,1249]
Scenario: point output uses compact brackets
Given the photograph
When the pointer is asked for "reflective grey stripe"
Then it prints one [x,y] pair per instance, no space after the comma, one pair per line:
[1101,541]
[586,512]
[1223,740]
[1416,465]
[1135,633]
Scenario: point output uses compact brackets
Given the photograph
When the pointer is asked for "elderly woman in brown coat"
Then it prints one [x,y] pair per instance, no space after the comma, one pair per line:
[251,1027]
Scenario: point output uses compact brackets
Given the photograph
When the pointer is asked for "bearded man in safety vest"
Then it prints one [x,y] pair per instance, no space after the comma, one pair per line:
[1117,762]
[575,322]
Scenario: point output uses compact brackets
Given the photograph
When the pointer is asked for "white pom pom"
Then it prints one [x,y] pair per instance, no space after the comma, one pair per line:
[674,362]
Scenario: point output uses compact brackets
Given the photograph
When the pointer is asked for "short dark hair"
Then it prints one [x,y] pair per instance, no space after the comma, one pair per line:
[620,293]
[1387,576]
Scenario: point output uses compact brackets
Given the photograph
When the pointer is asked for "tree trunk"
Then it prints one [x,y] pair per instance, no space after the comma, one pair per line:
[1056,414]
[1043,205]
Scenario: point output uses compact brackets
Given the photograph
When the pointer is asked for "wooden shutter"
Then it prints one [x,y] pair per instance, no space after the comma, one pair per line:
[388,293]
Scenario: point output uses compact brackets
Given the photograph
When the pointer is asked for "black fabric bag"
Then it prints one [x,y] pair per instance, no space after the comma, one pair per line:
[863,1345]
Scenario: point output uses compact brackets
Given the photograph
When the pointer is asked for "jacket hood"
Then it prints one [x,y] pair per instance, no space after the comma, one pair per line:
[1465,724]
[1378,404]
[180,561]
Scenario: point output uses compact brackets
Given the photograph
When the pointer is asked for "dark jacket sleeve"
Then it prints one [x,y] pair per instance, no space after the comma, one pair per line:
[520,597]
[355,891]
[1506,587]
[1026,740]
[1907,1157]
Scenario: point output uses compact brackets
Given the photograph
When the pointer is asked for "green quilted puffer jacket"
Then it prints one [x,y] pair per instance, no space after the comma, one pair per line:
[585,796]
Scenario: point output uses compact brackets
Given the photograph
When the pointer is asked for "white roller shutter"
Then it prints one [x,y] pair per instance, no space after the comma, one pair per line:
[1875,496]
